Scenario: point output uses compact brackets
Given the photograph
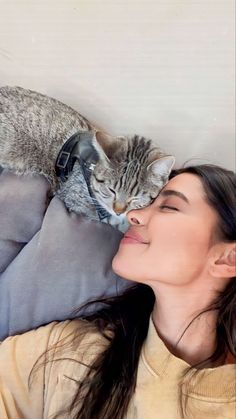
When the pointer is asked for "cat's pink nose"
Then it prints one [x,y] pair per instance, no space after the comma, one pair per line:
[119,208]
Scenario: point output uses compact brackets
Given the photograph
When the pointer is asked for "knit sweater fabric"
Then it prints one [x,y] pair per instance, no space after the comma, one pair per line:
[158,395]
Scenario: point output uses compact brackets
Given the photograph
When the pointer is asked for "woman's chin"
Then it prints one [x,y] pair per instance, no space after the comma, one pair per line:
[115,265]
[122,269]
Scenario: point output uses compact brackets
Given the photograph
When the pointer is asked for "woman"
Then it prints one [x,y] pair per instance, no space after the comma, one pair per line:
[165,349]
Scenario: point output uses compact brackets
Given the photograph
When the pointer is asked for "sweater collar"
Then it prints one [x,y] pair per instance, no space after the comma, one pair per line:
[218,383]
[157,355]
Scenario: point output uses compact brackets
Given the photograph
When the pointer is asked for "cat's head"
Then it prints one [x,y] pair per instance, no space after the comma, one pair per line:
[129,173]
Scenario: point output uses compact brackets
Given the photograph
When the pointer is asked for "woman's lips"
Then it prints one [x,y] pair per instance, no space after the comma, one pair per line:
[132,238]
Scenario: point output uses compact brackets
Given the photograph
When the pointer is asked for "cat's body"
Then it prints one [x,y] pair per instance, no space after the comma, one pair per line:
[129,172]
[33,128]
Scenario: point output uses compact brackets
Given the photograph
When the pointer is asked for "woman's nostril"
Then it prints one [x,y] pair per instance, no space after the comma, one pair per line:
[135,220]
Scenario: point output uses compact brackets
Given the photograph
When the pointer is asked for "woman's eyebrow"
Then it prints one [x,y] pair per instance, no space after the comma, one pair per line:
[172,192]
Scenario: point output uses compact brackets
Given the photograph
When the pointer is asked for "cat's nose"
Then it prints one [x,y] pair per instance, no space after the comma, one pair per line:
[119,207]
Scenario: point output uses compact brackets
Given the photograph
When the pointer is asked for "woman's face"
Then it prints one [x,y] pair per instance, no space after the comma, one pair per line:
[169,241]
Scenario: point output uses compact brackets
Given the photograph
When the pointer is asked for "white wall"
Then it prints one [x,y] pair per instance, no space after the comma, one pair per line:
[164,69]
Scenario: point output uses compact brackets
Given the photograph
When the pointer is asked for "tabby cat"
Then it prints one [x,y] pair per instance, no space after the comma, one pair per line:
[124,172]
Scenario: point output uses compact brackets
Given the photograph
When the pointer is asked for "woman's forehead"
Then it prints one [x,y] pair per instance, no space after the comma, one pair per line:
[188,184]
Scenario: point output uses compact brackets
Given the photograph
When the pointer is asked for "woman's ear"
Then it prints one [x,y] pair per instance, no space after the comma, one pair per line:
[224,263]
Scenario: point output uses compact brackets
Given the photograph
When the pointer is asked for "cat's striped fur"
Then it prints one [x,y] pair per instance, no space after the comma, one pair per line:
[33,127]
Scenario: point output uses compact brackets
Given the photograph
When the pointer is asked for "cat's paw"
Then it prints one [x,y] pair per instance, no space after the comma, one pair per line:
[119,222]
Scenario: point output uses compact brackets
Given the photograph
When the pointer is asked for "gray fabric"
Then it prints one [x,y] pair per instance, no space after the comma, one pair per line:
[51,261]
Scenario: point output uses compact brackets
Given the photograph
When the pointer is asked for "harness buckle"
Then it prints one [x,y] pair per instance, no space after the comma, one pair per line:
[63,159]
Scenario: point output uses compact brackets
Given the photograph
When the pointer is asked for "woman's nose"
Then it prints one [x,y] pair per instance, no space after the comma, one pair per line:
[138,216]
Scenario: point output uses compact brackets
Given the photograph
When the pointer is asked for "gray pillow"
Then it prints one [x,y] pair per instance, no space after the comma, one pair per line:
[51,261]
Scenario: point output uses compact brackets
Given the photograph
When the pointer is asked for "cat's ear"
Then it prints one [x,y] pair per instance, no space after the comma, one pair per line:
[162,166]
[106,145]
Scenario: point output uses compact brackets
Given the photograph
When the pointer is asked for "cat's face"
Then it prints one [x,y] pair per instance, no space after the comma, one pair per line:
[118,195]
[131,176]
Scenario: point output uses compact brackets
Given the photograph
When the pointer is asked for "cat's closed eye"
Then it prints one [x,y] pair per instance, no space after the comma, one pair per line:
[99,180]
[112,190]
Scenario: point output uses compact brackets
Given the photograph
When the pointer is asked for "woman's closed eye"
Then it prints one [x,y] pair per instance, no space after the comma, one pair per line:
[169,207]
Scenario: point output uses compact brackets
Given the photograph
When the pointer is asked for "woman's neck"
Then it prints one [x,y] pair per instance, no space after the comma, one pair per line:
[173,316]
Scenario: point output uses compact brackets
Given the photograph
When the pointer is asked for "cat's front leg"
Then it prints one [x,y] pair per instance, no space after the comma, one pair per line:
[120,222]
[75,195]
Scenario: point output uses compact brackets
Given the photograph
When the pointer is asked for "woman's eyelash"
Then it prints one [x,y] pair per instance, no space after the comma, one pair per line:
[169,207]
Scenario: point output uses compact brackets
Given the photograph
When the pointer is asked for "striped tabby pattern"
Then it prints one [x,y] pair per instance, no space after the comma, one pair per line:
[129,173]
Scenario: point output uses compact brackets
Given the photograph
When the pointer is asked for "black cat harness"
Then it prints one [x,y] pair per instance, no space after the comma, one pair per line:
[79,147]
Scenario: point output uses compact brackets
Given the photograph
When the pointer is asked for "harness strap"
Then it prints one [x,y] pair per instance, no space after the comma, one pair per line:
[73,149]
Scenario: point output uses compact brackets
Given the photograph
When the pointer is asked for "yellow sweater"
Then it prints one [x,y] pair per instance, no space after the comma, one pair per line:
[157,394]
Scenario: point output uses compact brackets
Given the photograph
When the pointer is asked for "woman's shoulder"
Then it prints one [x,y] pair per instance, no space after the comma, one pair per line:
[74,329]
[68,335]
[77,338]
[31,359]
[212,383]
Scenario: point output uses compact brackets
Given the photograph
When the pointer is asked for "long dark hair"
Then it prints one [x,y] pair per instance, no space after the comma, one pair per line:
[110,383]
